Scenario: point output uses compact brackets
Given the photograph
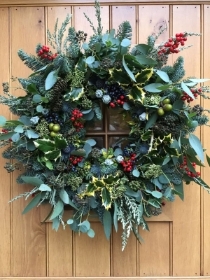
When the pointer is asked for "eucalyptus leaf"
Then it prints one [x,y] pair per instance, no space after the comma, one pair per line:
[115,217]
[107,223]
[2,120]
[44,188]
[37,98]
[91,142]
[6,136]
[197,146]
[15,137]
[51,79]
[163,75]
[64,196]
[57,210]
[153,87]
[33,203]
[187,90]
[91,233]
[39,108]
[19,129]
[32,180]
[90,59]
[136,173]
[157,194]
[125,43]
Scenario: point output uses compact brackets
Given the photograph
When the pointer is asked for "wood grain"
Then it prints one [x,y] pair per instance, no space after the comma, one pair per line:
[5,183]
[28,237]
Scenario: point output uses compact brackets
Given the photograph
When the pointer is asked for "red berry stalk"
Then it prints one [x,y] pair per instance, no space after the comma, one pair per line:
[75,159]
[186,97]
[186,169]
[128,164]
[45,53]
[172,45]
[76,117]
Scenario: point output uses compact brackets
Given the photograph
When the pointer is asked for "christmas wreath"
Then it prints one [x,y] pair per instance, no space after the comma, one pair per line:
[67,93]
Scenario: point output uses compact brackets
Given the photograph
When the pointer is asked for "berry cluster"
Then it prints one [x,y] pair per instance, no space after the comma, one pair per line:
[45,53]
[187,170]
[189,99]
[75,160]
[129,163]
[173,43]
[4,130]
[53,118]
[117,94]
[76,115]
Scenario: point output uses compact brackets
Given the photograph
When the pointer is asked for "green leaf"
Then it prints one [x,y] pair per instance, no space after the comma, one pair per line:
[32,88]
[106,198]
[35,181]
[163,75]
[2,120]
[157,194]
[60,143]
[57,210]
[136,93]
[178,104]
[151,121]
[180,190]
[91,233]
[208,159]
[125,43]
[163,179]
[64,196]
[120,76]
[49,165]
[144,60]
[154,203]
[79,152]
[34,202]
[187,90]
[51,79]
[37,98]
[6,136]
[115,217]
[130,74]
[143,48]
[44,188]
[53,155]
[197,146]
[107,223]
[153,87]
[90,59]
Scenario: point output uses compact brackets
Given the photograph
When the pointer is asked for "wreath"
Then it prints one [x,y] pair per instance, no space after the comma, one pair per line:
[66,95]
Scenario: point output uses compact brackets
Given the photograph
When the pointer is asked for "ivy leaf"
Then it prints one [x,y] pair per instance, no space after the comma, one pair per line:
[106,199]
[197,146]
[130,74]
[34,202]
[51,79]
[57,210]
[107,223]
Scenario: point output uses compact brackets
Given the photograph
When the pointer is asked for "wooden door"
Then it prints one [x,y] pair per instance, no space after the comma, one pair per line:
[177,244]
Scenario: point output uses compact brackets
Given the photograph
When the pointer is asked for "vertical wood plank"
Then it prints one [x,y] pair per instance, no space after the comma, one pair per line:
[120,260]
[5,182]
[60,13]
[81,23]
[152,18]
[59,252]
[186,224]
[205,137]
[92,256]
[154,252]
[28,236]
[124,13]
